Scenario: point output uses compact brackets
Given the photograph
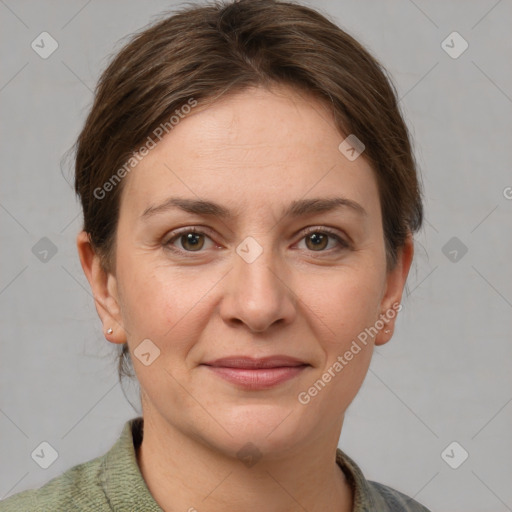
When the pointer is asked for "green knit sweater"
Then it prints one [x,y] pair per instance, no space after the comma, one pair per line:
[113,482]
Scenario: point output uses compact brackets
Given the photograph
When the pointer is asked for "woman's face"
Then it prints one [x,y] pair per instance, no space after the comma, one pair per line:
[274,277]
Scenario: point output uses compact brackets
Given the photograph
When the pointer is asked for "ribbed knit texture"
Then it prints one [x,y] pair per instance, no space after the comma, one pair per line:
[113,482]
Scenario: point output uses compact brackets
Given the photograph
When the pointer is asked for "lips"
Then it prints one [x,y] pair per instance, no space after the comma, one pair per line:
[255,363]
[256,373]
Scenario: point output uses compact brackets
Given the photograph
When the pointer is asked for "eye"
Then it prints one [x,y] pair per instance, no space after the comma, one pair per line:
[190,240]
[317,239]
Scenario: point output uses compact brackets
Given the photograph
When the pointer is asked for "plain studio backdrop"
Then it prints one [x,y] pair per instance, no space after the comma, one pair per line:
[433,418]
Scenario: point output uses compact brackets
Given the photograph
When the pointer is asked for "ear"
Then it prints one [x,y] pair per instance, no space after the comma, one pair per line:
[104,290]
[395,282]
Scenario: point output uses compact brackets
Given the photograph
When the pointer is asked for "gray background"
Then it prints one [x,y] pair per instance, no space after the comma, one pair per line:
[444,377]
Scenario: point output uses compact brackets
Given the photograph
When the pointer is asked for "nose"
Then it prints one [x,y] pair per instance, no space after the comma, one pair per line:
[259,293]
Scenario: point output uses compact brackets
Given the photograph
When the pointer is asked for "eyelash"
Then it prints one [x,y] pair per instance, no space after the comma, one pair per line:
[342,244]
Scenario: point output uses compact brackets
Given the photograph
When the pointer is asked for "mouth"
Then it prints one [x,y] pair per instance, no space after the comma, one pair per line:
[253,374]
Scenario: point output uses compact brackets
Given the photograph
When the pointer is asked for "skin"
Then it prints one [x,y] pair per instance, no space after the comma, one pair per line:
[253,152]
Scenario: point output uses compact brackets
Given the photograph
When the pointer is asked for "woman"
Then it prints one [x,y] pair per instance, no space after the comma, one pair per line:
[249,196]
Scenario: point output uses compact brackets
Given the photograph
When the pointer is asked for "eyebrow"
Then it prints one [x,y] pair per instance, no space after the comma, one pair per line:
[300,207]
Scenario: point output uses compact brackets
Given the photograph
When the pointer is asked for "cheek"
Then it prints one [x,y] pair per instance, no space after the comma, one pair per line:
[343,312]
[164,304]
[345,304]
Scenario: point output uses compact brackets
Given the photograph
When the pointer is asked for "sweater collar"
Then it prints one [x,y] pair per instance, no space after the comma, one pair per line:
[126,490]
[120,476]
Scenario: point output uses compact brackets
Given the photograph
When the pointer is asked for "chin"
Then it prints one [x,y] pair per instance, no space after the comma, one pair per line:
[272,430]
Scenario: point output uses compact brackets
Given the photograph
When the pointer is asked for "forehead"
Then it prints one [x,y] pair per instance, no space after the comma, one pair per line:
[256,147]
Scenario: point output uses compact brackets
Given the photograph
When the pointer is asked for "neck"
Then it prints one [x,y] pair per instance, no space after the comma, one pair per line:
[184,474]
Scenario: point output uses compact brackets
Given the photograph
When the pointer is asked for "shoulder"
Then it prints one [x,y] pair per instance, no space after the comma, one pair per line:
[110,482]
[78,488]
[371,496]
[385,498]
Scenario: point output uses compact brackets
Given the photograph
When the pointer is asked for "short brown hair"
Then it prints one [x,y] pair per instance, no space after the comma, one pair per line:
[203,52]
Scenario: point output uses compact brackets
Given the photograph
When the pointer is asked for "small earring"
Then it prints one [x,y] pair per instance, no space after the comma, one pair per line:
[110,330]
[387,331]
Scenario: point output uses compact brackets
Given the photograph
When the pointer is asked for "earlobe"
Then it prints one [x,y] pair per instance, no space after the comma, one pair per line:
[104,289]
[395,283]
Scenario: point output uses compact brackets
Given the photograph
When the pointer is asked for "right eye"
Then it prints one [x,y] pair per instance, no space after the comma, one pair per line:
[190,240]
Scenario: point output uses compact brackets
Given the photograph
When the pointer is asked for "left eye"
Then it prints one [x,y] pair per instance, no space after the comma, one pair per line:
[317,240]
